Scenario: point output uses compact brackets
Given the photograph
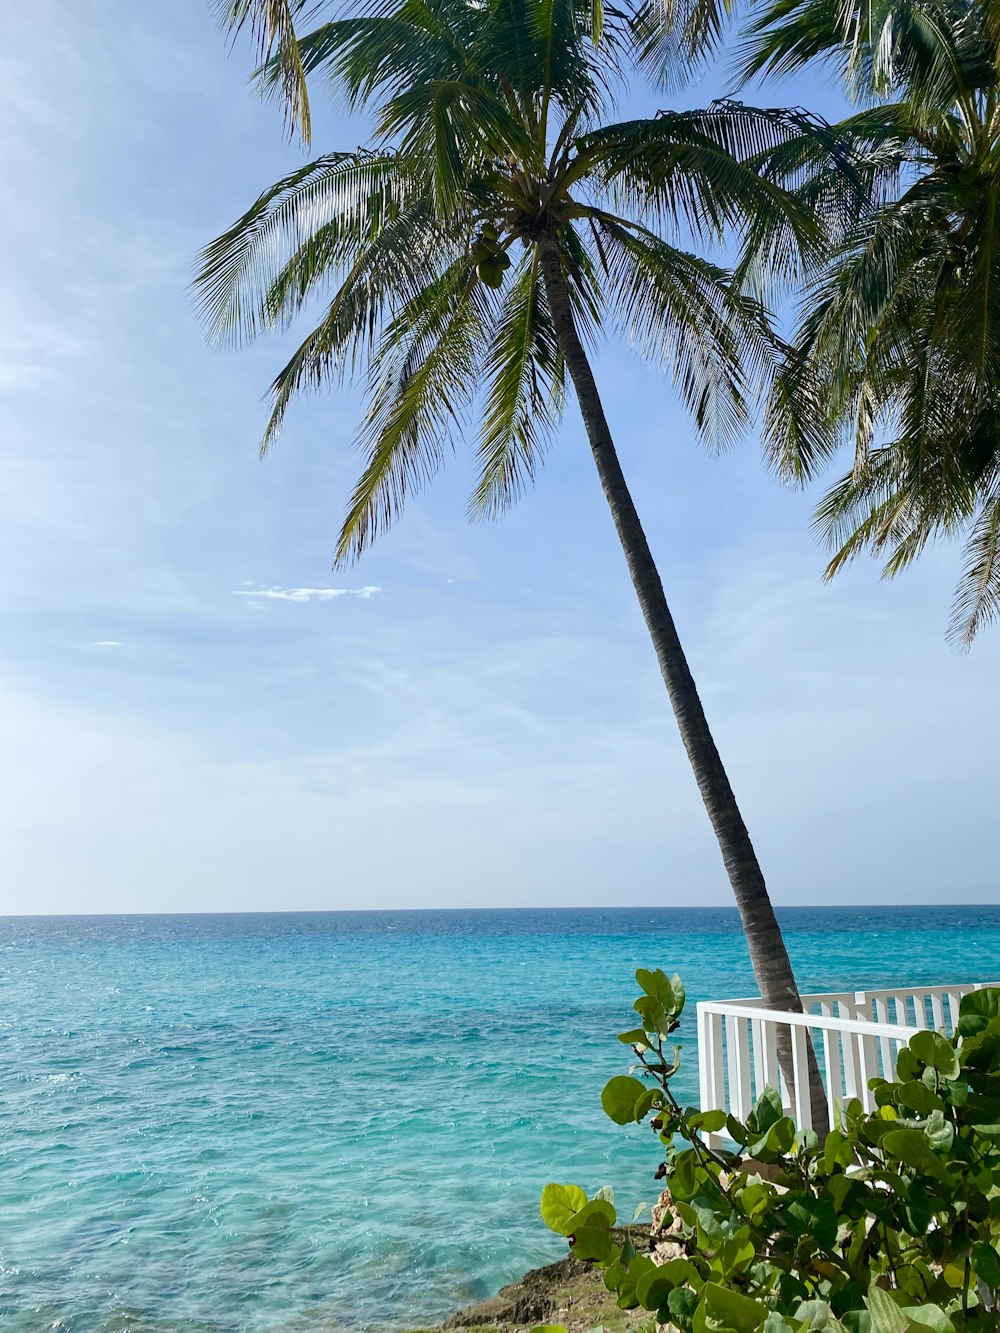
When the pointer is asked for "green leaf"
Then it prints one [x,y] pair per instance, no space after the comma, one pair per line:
[917,1096]
[838,1188]
[590,1229]
[986,1262]
[596,1212]
[777,1141]
[710,1232]
[684,1176]
[912,1148]
[927,1319]
[637,1270]
[776,1323]
[680,994]
[836,1151]
[650,1097]
[907,1065]
[719,1307]
[814,1315]
[815,1218]
[594,1242]
[754,1198]
[559,1206]
[681,1306]
[658,985]
[737,1253]
[737,1131]
[709,1122]
[679,1271]
[634,1037]
[655,1018]
[940,1132]
[982,1112]
[976,1010]
[767,1110]
[936,1052]
[886,1315]
[615,1274]
[917,1214]
[620,1096]
[653,1289]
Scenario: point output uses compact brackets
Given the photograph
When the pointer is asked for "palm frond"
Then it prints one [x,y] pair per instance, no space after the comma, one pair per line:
[451,131]
[711,172]
[525,394]
[397,266]
[424,378]
[977,600]
[357,193]
[271,24]
[681,312]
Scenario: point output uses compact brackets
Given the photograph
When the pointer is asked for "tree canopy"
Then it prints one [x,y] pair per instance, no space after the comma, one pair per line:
[491,135]
[898,349]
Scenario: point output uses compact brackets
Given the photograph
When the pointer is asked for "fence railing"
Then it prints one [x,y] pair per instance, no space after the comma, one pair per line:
[856,1036]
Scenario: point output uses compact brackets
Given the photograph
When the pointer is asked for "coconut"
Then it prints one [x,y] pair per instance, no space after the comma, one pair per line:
[491,271]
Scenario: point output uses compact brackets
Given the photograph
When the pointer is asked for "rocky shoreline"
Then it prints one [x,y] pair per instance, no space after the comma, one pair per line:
[570,1292]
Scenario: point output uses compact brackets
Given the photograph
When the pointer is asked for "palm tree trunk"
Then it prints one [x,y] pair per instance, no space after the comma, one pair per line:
[767,948]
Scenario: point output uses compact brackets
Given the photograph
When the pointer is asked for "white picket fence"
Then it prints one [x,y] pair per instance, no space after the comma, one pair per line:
[856,1037]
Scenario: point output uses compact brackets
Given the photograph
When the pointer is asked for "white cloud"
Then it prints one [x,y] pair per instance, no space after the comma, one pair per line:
[107,643]
[306,594]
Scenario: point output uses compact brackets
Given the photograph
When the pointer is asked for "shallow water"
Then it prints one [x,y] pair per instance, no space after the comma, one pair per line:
[234,1124]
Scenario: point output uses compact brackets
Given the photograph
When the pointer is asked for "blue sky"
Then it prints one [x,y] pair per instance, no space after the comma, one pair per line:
[474,717]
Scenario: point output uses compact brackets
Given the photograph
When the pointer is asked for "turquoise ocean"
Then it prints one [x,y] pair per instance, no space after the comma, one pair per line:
[322,1121]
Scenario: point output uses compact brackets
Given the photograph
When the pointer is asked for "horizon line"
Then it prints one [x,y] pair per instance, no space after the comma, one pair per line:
[385,911]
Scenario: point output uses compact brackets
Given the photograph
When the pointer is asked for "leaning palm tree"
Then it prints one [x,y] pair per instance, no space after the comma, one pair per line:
[898,351]
[495,226]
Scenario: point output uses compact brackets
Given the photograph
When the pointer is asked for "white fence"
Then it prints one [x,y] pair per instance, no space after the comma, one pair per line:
[856,1037]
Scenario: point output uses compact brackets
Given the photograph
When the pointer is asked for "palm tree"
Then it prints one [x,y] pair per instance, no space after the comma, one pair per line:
[898,351]
[491,231]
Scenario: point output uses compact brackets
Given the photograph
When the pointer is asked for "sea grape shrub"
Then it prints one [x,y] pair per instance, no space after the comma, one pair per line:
[890,1225]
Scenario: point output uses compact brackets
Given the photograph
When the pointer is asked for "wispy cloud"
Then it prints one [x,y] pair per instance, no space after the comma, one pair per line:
[306,594]
[107,643]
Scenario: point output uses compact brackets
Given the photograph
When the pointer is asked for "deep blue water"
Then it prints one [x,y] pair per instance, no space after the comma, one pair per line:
[233,1124]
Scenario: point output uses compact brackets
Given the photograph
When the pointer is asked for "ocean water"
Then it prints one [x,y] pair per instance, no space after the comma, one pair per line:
[324,1121]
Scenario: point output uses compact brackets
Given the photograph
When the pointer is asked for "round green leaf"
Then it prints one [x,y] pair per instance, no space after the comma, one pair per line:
[560,1205]
[656,984]
[619,1098]
[986,1262]
[731,1310]
[681,1305]
[649,1098]
[653,1289]
[709,1122]
[634,1037]
[977,1009]
[936,1052]
[655,1018]
[596,1212]
[917,1096]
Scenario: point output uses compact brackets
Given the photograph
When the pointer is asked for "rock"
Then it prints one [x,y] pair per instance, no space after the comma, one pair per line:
[666,1223]
[530,1301]
[569,1292]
